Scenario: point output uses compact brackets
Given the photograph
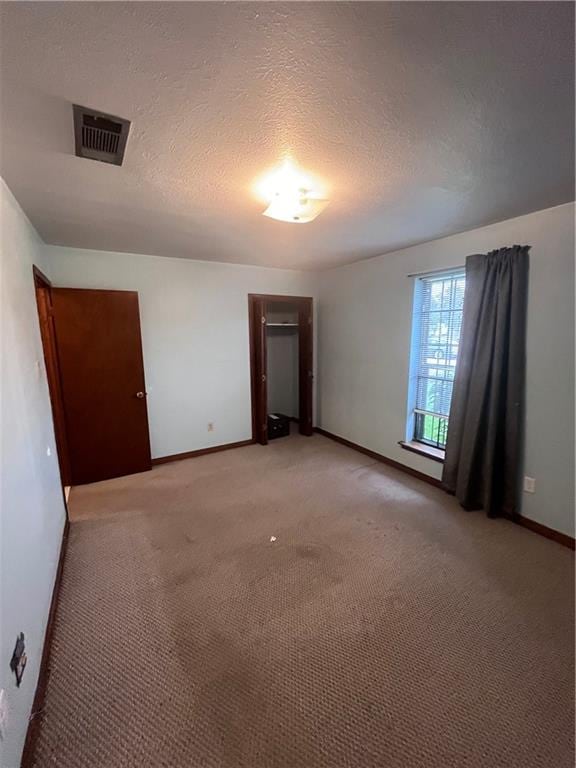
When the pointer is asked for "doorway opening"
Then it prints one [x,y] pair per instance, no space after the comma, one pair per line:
[281,362]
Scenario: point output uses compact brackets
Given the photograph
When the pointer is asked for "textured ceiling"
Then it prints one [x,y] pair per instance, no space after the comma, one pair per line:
[424,119]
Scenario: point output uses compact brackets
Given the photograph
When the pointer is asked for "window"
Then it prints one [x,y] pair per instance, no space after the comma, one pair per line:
[436,325]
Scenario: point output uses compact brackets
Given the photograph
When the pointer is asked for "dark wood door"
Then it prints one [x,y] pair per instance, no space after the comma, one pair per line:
[102,377]
[259,369]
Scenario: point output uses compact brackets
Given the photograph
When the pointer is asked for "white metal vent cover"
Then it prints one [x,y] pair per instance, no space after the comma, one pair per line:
[99,136]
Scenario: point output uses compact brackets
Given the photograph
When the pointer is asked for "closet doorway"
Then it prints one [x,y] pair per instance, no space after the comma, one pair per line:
[281,361]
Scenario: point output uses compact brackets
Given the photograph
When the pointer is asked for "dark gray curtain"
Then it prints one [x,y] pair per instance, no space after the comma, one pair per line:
[483,460]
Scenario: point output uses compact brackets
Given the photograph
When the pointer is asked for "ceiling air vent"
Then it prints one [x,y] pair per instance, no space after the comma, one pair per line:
[99,136]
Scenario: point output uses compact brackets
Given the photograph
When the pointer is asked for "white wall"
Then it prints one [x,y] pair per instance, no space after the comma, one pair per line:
[32,514]
[364,339]
[195,340]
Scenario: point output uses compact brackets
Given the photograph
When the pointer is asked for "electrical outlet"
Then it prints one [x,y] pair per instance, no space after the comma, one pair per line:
[210,426]
[48,451]
[529,484]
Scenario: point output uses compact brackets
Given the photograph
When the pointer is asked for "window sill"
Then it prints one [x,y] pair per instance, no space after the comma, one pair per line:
[436,454]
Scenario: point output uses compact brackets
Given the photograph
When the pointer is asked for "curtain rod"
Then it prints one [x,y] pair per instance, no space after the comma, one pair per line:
[444,271]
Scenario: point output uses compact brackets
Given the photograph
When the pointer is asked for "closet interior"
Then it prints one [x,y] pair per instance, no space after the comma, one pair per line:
[282,374]
[281,365]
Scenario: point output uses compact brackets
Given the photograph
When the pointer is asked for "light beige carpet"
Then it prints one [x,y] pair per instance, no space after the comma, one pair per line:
[384,628]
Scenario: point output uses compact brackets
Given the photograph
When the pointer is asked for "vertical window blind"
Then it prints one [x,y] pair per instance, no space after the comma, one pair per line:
[438,305]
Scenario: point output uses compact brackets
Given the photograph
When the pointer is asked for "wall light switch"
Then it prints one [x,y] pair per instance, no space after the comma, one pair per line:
[529,484]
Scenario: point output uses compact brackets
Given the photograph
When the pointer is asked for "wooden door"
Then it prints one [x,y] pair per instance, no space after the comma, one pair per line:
[306,366]
[102,378]
[257,315]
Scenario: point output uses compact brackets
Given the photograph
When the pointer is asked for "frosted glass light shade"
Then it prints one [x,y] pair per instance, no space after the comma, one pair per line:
[295,208]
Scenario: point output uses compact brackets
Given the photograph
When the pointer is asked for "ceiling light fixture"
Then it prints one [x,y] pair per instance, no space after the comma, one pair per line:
[292,195]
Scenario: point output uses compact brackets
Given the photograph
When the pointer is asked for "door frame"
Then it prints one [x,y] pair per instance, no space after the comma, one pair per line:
[43,290]
[258,358]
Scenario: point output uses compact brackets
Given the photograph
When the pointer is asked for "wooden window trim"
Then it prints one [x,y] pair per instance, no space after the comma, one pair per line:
[436,454]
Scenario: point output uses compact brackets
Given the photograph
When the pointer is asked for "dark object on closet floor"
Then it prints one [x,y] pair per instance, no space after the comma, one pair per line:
[278,425]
